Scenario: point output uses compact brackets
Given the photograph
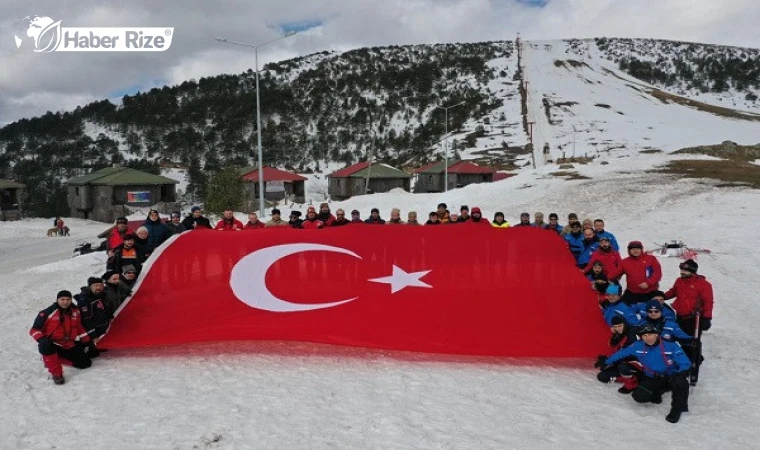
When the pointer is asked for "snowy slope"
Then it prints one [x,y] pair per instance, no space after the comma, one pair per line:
[606,111]
[298,396]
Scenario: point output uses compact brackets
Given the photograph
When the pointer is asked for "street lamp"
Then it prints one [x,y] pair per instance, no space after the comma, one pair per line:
[258,108]
[446,144]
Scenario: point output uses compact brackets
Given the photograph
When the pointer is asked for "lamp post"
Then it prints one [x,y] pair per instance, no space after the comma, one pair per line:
[258,109]
[446,145]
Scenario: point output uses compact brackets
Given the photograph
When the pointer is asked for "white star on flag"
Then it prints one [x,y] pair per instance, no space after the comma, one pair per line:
[400,279]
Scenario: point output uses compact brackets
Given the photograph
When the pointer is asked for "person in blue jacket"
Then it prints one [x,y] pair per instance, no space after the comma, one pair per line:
[589,244]
[667,311]
[574,239]
[600,231]
[669,329]
[664,367]
[157,230]
[612,306]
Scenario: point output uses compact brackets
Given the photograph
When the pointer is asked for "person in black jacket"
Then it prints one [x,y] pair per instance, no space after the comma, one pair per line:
[96,315]
[623,335]
[116,291]
[195,220]
[175,225]
[126,254]
[295,219]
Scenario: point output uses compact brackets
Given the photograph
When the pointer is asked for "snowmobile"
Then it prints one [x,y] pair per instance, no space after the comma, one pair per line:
[83,247]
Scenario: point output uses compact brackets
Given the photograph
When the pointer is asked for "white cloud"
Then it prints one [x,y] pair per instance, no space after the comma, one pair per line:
[34,83]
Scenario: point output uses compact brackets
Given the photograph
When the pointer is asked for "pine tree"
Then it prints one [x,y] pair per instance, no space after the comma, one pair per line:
[226,189]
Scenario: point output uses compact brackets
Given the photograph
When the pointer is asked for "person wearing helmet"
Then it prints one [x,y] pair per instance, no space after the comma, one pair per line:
[664,367]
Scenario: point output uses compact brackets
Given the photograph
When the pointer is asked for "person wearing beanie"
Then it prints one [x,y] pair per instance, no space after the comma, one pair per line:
[158,233]
[498,220]
[115,291]
[356,216]
[276,220]
[59,334]
[96,314]
[642,274]
[658,296]
[116,236]
[668,329]
[623,335]
[295,220]
[612,306]
[693,295]
[174,225]
[196,221]
[664,366]
[129,275]
[374,218]
[127,253]
[325,215]
[312,222]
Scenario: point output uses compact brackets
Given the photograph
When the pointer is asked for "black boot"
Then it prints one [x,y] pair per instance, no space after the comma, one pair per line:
[674,416]
[59,380]
[625,390]
[656,398]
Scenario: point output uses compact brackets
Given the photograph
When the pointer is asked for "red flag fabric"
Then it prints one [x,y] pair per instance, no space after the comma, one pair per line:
[458,289]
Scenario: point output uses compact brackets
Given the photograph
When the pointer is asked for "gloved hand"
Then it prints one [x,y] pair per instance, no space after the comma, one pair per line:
[45,345]
[615,339]
[705,323]
[44,341]
[601,361]
[604,304]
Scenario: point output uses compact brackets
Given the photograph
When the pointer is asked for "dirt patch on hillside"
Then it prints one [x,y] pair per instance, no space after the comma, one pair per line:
[717,110]
[730,172]
[726,150]
[569,175]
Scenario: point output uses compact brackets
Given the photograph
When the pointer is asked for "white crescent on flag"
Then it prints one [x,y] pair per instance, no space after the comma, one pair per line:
[248,278]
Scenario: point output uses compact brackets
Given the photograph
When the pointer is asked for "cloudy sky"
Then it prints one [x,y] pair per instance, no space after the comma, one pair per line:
[33,83]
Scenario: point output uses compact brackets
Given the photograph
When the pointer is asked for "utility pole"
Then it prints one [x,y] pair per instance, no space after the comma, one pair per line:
[532,149]
[446,145]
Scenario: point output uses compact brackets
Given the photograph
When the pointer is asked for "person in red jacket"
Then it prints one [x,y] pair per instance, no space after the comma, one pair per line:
[253,222]
[59,334]
[609,257]
[642,274]
[312,222]
[116,238]
[229,222]
[476,216]
[693,294]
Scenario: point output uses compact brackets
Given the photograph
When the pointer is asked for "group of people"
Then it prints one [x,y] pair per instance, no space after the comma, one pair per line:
[654,345]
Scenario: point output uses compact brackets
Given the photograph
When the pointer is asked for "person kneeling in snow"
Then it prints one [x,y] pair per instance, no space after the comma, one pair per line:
[664,368]
[59,333]
[623,335]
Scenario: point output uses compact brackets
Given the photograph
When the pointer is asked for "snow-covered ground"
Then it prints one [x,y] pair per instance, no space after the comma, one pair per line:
[299,396]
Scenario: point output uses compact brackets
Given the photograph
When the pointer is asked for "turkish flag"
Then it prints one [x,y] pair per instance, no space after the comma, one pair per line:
[459,289]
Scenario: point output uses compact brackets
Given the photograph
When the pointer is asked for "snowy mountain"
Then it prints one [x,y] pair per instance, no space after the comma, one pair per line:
[299,396]
[338,108]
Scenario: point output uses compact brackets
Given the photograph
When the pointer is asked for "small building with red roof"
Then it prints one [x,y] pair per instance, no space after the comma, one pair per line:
[352,180]
[278,185]
[430,177]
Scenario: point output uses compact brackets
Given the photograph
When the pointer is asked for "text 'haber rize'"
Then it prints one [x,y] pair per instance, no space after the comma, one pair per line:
[132,39]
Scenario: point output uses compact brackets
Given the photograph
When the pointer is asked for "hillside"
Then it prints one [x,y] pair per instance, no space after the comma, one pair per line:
[339,108]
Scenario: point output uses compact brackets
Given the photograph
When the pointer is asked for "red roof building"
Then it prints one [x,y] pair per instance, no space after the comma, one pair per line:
[278,185]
